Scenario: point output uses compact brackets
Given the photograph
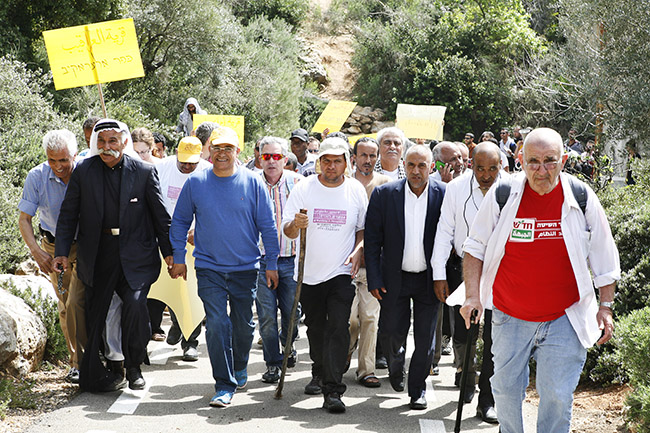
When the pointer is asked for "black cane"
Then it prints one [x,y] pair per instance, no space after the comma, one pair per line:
[473,328]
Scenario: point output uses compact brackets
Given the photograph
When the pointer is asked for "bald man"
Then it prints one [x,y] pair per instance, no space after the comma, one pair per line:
[536,258]
[462,201]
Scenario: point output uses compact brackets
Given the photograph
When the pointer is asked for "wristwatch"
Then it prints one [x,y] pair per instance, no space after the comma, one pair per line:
[607,304]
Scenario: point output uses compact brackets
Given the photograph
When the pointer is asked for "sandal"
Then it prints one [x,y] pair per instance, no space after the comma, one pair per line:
[370,381]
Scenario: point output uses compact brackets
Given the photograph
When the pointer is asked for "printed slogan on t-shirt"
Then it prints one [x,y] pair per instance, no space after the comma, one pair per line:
[330,219]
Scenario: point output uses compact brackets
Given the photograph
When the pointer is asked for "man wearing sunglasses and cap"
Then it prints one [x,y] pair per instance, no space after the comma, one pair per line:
[279,183]
[231,208]
[115,203]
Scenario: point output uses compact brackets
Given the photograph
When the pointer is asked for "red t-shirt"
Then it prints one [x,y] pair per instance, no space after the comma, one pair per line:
[535,280]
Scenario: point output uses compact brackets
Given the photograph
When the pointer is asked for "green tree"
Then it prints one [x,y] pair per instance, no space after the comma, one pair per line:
[460,54]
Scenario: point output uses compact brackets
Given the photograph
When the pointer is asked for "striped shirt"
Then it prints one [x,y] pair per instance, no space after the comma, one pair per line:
[279,194]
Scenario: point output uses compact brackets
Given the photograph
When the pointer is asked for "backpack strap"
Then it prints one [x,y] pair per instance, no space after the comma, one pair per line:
[579,190]
[502,191]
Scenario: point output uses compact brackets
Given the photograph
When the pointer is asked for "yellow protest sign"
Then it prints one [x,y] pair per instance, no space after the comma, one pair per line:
[93,53]
[354,138]
[421,121]
[234,122]
[180,295]
[334,116]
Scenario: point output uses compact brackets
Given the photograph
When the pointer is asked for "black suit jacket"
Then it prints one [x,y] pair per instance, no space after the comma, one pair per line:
[144,221]
[384,235]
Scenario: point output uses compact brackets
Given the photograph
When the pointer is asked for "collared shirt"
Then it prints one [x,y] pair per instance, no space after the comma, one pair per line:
[401,174]
[463,197]
[309,166]
[588,240]
[415,214]
[279,194]
[43,192]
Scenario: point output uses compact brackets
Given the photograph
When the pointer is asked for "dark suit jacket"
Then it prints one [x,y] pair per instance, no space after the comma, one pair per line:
[384,235]
[144,221]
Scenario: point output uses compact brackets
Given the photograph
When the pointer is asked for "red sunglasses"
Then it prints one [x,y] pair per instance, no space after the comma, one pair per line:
[274,156]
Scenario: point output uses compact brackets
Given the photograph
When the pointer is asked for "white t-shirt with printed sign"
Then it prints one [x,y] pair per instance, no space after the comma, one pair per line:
[172,180]
[335,215]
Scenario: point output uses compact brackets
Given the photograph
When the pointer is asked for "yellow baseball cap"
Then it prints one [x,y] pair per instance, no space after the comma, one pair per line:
[224,135]
[189,150]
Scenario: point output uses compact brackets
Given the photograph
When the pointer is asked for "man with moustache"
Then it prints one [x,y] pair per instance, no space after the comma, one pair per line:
[400,229]
[336,208]
[391,145]
[115,203]
[364,317]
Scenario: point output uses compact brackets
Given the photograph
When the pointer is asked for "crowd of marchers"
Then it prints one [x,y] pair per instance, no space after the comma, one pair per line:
[392,227]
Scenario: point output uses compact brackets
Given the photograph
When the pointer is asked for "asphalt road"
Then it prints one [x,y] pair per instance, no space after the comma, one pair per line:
[177,395]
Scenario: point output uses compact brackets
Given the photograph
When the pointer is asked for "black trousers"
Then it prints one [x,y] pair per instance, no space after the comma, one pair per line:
[327,315]
[136,331]
[394,324]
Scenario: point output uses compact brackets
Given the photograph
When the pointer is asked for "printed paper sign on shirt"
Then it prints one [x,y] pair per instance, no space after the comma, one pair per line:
[523,230]
[330,219]
[551,229]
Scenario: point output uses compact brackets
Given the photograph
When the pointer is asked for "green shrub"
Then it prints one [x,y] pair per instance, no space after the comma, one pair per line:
[633,342]
[56,349]
[15,394]
[293,12]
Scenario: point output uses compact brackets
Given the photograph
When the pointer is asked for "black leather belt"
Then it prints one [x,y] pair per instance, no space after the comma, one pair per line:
[47,235]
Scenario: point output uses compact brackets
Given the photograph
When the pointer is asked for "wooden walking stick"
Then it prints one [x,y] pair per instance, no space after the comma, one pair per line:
[294,308]
[473,328]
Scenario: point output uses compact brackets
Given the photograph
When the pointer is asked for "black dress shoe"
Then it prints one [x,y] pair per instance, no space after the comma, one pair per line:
[134,376]
[397,382]
[115,385]
[381,363]
[418,403]
[116,367]
[333,403]
[469,394]
[487,414]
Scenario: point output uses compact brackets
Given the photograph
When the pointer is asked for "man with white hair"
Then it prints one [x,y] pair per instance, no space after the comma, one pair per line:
[336,210]
[538,247]
[43,192]
[391,146]
[114,203]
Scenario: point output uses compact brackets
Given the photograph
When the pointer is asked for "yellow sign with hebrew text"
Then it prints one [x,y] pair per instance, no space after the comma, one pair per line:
[93,53]
[234,122]
[421,121]
[334,116]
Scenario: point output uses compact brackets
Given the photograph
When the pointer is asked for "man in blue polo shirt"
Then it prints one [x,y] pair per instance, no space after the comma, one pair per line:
[44,189]
[231,207]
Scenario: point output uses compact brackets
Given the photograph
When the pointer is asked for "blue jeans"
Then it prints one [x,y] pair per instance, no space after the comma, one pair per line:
[267,303]
[560,357]
[229,338]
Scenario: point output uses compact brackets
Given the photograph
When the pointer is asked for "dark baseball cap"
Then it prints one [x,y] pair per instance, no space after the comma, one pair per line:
[301,134]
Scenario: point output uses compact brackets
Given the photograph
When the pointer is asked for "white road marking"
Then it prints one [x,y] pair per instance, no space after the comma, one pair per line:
[160,355]
[101,431]
[431,394]
[129,400]
[431,426]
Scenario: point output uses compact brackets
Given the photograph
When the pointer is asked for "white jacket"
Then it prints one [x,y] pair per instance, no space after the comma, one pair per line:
[588,240]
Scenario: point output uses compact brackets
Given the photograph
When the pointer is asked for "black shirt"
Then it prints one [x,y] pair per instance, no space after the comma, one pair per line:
[112,182]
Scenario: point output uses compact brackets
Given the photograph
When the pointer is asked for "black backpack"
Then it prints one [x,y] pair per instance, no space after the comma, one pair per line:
[578,188]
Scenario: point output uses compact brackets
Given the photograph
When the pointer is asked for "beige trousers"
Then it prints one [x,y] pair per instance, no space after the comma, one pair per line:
[72,314]
[364,321]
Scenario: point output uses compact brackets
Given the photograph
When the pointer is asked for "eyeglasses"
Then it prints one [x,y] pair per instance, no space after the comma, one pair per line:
[549,166]
[227,149]
[273,156]
[468,138]
[312,150]
[143,152]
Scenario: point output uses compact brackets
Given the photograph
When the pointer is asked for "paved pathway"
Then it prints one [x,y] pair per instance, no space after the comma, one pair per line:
[177,395]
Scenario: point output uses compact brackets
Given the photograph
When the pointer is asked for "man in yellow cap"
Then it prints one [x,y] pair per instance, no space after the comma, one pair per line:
[231,207]
[173,173]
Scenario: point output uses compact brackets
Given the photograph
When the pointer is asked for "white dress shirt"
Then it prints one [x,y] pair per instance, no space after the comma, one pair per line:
[463,197]
[415,214]
[588,241]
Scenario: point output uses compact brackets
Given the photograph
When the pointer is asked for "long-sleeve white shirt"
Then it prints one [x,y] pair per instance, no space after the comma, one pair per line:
[588,241]
[462,200]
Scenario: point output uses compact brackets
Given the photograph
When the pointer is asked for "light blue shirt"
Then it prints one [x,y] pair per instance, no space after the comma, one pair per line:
[43,192]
